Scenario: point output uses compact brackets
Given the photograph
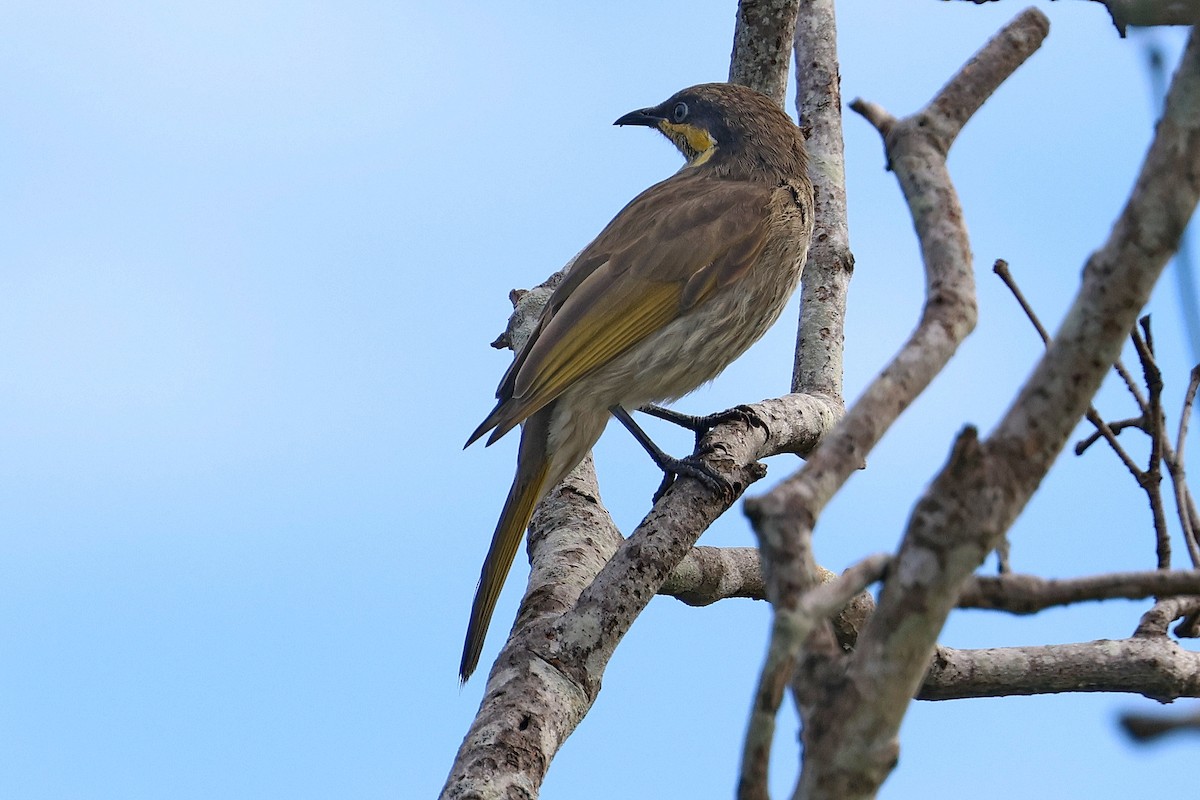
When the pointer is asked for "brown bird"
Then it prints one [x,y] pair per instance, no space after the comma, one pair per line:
[681,282]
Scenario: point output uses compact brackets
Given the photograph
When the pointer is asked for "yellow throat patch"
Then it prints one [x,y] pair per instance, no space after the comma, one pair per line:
[696,143]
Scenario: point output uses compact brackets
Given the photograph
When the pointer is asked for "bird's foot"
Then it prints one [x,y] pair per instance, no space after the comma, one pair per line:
[691,467]
[701,425]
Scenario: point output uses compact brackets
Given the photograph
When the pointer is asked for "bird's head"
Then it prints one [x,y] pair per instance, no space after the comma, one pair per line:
[725,122]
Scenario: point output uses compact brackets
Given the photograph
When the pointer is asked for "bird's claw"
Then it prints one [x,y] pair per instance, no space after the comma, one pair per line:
[693,467]
[701,425]
[739,413]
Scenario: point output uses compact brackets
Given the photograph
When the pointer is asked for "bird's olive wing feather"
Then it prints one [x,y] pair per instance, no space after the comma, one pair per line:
[664,254]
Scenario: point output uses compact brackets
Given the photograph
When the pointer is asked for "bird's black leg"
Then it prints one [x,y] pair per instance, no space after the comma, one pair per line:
[702,425]
[672,467]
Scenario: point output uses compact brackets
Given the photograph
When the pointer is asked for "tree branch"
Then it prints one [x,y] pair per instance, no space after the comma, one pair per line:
[1144,13]
[794,625]
[762,44]
[1028,594]
[985,485]
[1117,280]
[784,519]
[1184,503]
[1148,727]
[1155,621]
[1157,668]
[710,574]
[1150,13]
[819,346]
[820,339]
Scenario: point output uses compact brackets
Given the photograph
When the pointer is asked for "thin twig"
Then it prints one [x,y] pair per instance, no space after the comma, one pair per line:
[1155,621]
[1184,502]
[1144,728]
[1189,398]
[1000,268]
[1029,594]
[1132,386]
[1115,427]
[1150,479]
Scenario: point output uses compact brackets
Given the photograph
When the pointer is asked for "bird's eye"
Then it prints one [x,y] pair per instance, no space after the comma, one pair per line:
[680,112]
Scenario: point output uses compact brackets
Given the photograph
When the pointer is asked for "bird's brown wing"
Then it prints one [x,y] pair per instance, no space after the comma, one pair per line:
[666,252]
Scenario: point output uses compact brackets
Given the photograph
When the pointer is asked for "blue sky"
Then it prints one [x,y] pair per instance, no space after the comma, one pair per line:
[251,258]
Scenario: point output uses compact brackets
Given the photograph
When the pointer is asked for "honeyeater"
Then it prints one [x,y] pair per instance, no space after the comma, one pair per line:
[682,281]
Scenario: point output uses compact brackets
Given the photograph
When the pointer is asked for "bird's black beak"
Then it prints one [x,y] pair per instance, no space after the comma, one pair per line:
[649,117]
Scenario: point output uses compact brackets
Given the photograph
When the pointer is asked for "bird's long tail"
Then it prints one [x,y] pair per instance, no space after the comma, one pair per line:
[530,483]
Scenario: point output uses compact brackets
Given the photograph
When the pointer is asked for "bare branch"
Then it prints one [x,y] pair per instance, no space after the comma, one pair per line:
[1132,386]
[1184,502]
[1155,621]
[1151,478]
[1156,667]
[877,115]
[570,538]
[1185,415]
[984,486]
[762,43]
[821,336]
[849,749]
[1103,429]
[790,629]
[1000,268]
[709,574]
[1144,728]
[1028,594]
[1144,13]
[1114,428]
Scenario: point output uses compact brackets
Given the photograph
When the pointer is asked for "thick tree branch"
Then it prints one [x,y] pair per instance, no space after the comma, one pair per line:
[708,574]
[815,607]
[762,45]
[526,703]
[820,339]
[570,538]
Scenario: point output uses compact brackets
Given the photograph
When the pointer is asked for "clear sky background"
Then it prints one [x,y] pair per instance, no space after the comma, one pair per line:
[251,258]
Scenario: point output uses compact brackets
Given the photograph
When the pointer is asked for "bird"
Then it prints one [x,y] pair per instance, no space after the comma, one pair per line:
[680,283]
